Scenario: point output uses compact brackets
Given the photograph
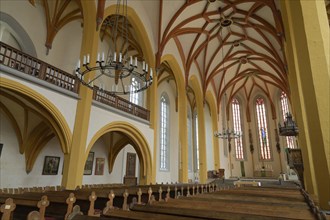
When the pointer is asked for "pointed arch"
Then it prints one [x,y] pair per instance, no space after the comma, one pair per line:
[164,134]
[39,137]
[182,106]
[195,84]
[20,34]
[263,127]
[52,114]
[140,145]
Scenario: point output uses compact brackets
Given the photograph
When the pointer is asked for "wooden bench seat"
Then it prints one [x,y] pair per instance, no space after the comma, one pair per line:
[120,214]
[235,203]
[248,200]
[254,193]
[198,213]
[253,209]
[238,203]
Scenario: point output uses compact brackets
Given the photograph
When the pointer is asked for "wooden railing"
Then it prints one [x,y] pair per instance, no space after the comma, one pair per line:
[122,104]
[29,65]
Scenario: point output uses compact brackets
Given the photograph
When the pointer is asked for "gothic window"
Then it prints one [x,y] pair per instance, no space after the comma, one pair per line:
[262,129]
[196,146]
[285,110]
[136,98]
[190,147]
[164,133]
[237,128]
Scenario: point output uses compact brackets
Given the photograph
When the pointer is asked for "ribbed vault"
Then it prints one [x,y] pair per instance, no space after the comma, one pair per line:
[234,46]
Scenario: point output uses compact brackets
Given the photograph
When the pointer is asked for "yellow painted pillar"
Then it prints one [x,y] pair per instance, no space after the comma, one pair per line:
[154,105]
[74,162]
[215,141]
[201,142]
[201,129]
[307,50]
[183,134]
[182,111]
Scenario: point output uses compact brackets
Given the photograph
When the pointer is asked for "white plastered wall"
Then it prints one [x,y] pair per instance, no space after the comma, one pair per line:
[173,174]
[119,168]
[12,163]
[65,104]
[66,45]
[102,116]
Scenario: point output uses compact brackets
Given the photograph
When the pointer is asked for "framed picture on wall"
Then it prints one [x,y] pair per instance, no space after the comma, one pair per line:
[99,166]
[89,164]
[51,165]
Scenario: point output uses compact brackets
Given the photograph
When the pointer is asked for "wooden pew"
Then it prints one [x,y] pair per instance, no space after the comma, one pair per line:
[210,207]
[238,203]
[27,201]
[120,214]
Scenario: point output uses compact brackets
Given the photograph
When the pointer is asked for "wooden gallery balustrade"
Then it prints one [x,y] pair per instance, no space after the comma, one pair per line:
[26,64]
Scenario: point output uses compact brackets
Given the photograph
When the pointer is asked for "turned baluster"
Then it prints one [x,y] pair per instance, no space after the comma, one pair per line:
[168,194]
[188,191]
[160,191]
[139,193]
[125,206]
[150,194]
[175,192]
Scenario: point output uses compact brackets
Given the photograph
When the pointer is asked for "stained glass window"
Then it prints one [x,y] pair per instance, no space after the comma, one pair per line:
[262,129]
[285,110]
[237,128]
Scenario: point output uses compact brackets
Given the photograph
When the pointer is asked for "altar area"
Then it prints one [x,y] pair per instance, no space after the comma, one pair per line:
[263,171]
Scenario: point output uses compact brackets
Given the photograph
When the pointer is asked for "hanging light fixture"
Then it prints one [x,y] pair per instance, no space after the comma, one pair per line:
[226,133]
[289,127]
[116,71]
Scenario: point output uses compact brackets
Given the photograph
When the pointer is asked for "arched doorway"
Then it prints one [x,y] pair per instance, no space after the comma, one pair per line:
[122,135]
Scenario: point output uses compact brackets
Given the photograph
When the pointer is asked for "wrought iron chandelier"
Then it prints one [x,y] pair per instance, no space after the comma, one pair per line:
[227,134]
[116,72]
[289,127]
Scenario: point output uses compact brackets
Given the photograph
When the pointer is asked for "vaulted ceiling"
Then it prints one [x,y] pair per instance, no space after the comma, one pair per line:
[234,46]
